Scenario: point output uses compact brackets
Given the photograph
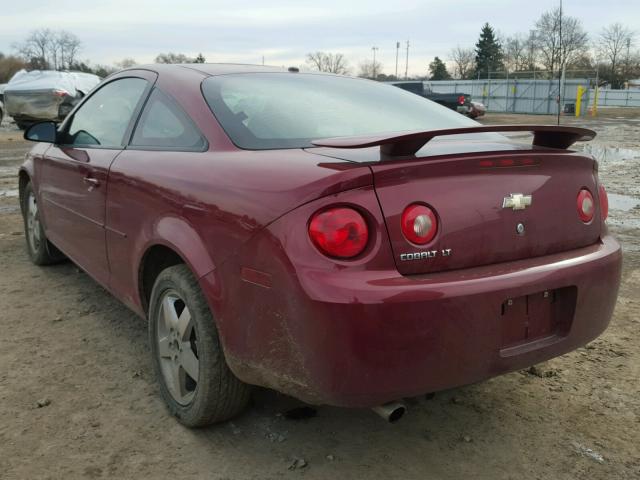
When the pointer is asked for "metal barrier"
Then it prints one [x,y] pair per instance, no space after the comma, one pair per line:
[514,95]
[538,96]
[617,98]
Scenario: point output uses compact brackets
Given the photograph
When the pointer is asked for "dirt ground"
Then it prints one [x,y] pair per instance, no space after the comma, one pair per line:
[78,397]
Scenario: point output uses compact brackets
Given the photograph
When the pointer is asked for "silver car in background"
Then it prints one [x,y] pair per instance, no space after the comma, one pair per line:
[39,95]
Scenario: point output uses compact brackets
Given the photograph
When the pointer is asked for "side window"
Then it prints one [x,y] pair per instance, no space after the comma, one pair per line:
[163,124]
[103,119]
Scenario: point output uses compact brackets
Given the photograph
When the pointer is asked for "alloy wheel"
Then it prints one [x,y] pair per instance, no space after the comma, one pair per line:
[33,223]
[177,340]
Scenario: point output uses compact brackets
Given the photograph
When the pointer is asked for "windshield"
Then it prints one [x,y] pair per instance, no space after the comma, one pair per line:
[288,110]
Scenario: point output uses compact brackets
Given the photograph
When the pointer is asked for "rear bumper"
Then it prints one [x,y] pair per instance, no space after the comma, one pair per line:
[367,337]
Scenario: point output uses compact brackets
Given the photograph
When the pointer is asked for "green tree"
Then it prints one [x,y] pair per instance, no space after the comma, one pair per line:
[438,70]
[489,53]
[200,59]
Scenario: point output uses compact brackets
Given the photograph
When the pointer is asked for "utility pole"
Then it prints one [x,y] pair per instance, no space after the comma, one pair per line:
[560,66]
[406,65]
[397,52]
[627,61]
[375,76]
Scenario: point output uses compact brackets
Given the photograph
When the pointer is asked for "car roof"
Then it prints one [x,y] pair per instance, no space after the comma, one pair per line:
[212,68]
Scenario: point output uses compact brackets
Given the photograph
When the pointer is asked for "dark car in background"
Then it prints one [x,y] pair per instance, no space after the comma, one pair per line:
[460,102]
[39,95]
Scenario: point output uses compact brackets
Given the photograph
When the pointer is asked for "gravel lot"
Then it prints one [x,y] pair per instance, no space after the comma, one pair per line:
[78,398]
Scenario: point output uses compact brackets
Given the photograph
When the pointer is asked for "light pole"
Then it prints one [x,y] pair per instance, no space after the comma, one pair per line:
[397,52]
[406,65]
[373,69]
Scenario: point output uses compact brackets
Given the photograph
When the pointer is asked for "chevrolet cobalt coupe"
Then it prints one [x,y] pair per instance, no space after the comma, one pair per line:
[340,240]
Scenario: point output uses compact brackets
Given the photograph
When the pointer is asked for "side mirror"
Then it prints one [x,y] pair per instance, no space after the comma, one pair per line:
[42,132]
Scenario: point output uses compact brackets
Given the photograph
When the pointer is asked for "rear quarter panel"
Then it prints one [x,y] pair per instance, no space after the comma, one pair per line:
[205,205]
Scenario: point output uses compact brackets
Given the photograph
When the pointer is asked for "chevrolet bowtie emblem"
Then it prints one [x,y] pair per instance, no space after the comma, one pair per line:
[517,201]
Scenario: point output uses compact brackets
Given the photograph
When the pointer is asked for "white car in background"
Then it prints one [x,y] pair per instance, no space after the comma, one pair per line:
[39,95]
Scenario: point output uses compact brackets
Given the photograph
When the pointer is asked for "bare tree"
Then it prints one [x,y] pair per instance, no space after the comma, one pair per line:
[174,58]
[614,42]
[67,45]
[531,50]
[328,62]
[45,49]
[370,70]
[575,41]
[35,49]
[553,54]
[464,60]
[516,53]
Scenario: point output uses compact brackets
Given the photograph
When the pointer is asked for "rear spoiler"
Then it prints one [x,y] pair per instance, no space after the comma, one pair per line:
[401,144]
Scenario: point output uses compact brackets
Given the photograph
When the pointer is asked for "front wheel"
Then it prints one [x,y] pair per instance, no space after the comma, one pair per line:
[195,381]
[41,251]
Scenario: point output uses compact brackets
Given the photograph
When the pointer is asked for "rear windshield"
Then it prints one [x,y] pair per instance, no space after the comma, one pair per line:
[262,111]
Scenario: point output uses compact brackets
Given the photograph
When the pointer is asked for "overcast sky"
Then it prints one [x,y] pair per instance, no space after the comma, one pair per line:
[285,30]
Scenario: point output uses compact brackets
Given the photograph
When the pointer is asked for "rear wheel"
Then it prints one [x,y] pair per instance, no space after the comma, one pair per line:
[195,381]
[41,251]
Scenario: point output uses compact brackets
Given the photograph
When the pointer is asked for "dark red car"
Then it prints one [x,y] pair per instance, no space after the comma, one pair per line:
[337,239]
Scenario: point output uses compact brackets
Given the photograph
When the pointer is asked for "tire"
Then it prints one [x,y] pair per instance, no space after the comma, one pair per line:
[41,250]
[182,331]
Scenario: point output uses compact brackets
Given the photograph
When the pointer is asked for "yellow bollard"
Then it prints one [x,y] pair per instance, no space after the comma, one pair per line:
[579,95]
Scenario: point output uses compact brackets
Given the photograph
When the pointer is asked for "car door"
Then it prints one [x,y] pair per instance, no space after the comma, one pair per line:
[142,185]
[73,174]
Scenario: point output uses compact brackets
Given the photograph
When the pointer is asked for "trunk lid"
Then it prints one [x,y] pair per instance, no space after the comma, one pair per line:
[468,196]
[466,183]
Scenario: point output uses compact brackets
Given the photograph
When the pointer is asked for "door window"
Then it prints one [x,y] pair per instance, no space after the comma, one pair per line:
[164,125]
[103,119]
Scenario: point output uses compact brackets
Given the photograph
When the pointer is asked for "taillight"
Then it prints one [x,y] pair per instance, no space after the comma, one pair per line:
[340,232]
[604,202]
[585,205]
[461,99]
[60,93]
[419,224]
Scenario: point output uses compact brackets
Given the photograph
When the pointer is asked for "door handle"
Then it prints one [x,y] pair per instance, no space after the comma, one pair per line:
[92,182]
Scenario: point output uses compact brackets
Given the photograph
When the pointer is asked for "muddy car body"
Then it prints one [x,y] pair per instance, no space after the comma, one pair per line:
[268,221]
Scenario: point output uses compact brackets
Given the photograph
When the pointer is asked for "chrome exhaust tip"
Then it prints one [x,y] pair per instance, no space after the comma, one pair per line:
[391,412]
